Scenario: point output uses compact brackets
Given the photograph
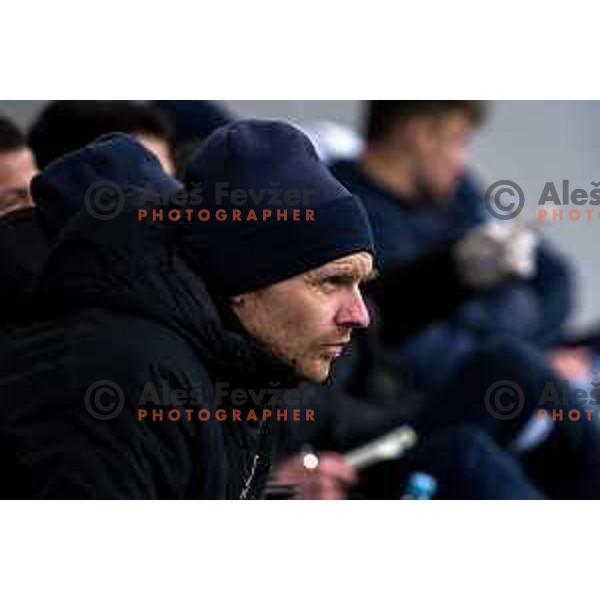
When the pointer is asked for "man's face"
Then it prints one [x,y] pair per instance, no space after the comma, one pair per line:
[17,167]
[440,153]
[308,319]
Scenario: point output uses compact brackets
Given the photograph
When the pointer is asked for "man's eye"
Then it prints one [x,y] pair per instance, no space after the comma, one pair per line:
[337,280]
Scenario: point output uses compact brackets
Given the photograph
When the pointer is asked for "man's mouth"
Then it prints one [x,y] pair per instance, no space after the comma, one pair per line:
[336,349]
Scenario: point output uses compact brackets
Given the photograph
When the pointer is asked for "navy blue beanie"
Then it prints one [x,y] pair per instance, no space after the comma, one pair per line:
[252,166]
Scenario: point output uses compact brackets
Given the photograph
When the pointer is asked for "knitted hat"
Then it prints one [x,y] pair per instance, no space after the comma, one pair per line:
[281,212]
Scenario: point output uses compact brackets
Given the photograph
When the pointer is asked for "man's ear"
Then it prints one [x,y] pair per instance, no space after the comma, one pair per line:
[237,300]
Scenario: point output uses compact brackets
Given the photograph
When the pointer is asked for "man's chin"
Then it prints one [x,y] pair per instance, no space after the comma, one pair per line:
[439,196]
[316,372]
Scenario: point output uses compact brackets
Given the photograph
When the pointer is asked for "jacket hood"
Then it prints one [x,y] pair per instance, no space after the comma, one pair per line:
[84,179]
[124,264]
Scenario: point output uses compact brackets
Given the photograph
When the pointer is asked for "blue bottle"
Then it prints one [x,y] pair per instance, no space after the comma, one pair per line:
[420,486]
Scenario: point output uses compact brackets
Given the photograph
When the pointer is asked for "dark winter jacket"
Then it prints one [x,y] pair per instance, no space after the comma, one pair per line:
[23,249]
[124,325]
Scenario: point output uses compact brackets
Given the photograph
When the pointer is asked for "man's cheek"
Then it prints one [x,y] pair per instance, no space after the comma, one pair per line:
[318,357]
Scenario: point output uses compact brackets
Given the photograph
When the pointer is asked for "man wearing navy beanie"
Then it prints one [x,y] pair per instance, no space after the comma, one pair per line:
[293,283]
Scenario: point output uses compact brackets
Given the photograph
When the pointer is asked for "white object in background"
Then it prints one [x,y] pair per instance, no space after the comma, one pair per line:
[390,446]
[493,251]
[333,141]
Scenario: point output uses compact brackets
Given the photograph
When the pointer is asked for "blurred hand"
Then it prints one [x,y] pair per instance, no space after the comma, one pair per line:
[328,481]
[572,363]
[494,251]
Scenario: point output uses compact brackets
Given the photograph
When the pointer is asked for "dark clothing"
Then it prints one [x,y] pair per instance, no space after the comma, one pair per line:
[466,433]
[118,315]
[466,463]
[23,250]
[27,235]
[409,297]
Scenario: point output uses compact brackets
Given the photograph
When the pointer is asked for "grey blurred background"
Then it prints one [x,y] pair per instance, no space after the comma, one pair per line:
[529,142]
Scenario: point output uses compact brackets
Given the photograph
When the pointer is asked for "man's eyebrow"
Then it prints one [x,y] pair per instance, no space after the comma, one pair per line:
[351,271]
[372,275]
[344,270]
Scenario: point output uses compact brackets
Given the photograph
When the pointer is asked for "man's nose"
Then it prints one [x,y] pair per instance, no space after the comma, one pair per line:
[354,313]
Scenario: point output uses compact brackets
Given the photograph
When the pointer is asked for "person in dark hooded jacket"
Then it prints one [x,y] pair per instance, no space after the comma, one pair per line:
[135,319]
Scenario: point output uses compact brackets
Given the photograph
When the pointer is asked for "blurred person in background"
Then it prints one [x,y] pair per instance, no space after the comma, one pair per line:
[413,179]
[421,202]
[17,167]
[66,125]
[192,121]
